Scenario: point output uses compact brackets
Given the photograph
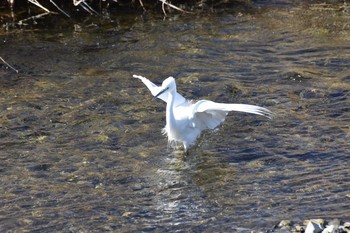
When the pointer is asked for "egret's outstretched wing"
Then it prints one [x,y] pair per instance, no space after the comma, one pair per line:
[179,99]
[153,88]
[208,114]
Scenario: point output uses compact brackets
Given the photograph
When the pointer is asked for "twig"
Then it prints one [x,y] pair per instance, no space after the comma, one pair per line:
[141,3]
[33,17]
[11,3]
[8,65]
[172,6]
[85,6]
[163,8]
[91,10]
[35,2]
[59,9]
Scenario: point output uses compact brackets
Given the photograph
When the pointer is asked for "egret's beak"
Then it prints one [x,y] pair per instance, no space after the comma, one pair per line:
[161,92]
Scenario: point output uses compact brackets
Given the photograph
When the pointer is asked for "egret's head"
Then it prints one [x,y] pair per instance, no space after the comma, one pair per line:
[167,85]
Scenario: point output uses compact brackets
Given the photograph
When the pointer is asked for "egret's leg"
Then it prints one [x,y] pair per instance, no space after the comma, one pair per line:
[185,147]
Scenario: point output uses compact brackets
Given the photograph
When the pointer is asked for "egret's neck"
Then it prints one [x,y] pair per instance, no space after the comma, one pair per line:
[170,118]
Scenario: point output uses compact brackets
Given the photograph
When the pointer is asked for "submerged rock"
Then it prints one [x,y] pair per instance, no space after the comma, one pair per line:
[285,223]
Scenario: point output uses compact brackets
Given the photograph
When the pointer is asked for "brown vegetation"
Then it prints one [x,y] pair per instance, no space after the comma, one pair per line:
[97,6]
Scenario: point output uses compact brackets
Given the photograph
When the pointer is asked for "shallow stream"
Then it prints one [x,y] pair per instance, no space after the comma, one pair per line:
[81,147]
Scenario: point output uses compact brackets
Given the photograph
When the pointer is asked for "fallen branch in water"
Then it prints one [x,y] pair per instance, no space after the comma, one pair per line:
[8,65]
[34,17]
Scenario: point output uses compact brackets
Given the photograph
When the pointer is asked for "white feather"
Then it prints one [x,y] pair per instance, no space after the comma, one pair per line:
[185,120]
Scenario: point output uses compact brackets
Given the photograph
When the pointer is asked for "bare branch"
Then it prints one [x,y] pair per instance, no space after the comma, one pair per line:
[85,6]
[59,9]
[163,8]
[35,2]
[34,17]
[172,6]
[141,3]
[8,65]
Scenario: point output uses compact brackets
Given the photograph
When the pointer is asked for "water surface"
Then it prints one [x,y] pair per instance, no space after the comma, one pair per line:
[81,143]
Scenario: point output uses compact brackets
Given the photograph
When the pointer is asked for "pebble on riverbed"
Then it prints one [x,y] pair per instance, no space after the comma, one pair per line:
[312,226]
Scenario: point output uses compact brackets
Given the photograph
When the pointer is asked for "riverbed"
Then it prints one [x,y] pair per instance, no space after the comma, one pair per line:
[81,142]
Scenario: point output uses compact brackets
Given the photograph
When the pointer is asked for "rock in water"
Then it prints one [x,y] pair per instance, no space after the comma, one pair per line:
[346,227]
[313,227]
[285,223]
[332,226]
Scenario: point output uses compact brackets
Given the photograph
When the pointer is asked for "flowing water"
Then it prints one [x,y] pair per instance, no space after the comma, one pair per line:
[81,143]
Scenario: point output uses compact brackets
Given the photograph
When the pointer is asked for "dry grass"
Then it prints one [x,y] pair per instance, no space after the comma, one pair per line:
[19,13]
[90,6]
[95,6]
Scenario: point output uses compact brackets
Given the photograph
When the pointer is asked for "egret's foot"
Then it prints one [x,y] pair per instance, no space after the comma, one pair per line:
[178,162]
[181,153]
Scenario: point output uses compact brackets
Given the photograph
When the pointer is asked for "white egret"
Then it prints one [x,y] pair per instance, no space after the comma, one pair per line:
[186,120]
